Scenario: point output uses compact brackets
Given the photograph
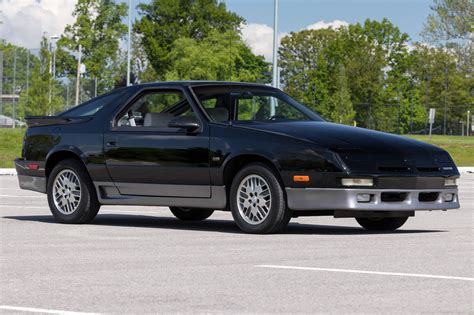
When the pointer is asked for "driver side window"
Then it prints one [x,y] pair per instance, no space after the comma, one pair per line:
[155,109]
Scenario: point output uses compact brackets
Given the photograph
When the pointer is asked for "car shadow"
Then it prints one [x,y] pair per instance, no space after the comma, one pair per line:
[210,225]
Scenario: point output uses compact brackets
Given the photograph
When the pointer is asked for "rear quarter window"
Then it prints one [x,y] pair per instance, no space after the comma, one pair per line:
[93,106]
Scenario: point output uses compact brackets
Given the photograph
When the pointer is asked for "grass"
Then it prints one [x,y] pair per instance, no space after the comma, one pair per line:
[10,146]
[460,148]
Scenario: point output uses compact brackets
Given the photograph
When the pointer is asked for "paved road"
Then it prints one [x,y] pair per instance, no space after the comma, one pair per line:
[138,259]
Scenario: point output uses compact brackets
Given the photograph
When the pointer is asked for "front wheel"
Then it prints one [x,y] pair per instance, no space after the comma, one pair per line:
[257,200]
[381,224]
[191,214]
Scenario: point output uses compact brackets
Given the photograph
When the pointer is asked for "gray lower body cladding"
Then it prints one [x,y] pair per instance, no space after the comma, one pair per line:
[109,194]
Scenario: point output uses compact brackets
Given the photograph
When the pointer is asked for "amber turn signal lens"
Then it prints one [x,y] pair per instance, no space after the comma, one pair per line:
[301,178]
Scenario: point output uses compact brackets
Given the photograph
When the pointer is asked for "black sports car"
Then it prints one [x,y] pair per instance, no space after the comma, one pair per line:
[246,148]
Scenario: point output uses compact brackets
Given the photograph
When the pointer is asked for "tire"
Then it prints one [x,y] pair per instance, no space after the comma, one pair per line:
[191,214]
[261,209]
[381,224]
[76,199]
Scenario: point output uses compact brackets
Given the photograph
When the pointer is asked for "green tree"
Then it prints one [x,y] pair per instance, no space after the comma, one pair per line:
[165,21]
[355,65]
[98,28]
[21,58]
[307,60]
[340,102]
[433,68]
[220,56]
[43,96]
[451,20]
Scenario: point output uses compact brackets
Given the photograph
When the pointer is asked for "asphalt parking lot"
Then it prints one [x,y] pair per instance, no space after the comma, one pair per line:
[142,260]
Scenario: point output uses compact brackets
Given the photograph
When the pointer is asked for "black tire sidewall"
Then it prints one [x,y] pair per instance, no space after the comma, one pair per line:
[88,204]
[382,224]
[279,215]
[191,214]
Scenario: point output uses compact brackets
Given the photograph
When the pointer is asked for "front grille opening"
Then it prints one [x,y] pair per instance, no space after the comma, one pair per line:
[393,196]
[394,169]
[428,169]
[428,196]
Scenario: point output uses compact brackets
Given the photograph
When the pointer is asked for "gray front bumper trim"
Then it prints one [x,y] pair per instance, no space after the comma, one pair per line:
[346,199]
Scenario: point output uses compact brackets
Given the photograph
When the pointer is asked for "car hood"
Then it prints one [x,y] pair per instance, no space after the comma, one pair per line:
[360,147]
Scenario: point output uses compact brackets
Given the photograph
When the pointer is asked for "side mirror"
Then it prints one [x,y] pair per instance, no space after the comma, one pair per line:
[184,122]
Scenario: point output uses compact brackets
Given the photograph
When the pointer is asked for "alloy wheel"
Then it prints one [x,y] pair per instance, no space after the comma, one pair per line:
[67,192]
[254,199]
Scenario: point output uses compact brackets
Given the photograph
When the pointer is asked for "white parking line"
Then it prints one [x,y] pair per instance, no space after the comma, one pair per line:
[368,272]
[37,310]
[23,206]
[20,196]
[101,211]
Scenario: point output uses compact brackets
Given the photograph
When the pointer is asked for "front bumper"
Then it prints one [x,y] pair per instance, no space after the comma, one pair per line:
[346,199]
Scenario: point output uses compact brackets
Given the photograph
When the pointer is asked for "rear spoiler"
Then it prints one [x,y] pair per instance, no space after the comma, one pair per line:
[34,121]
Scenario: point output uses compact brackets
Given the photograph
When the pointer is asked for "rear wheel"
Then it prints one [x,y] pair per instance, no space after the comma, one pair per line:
[191,214]
[257,200]
[71,195]
[381,224]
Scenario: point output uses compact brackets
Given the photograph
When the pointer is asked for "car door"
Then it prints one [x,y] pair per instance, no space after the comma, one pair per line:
[145,157]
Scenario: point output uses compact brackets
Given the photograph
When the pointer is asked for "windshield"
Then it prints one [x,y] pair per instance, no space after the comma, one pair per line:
[246,104]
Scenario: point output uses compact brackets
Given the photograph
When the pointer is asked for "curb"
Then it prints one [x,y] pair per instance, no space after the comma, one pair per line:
[466,170]
[12,171]
[7,171]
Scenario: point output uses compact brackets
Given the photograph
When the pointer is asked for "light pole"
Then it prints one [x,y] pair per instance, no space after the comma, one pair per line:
[53,48]
[78,74]
[428,78]
[275,46]
[52,69]
[14,89]
[275,82]
[445,99]
[129,40]
[1,82]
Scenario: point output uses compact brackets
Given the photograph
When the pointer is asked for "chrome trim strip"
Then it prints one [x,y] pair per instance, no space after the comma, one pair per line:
[346,199]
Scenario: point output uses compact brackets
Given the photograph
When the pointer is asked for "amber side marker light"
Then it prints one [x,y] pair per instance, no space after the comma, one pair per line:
[301,178]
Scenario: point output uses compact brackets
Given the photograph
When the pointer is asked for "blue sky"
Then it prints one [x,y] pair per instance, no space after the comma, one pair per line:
[408,15]
[51,16]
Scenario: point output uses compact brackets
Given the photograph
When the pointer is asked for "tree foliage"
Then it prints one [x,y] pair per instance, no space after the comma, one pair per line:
[451,20]
[220,56]
[98,28]
[165,21]
[360,72]
[43,95]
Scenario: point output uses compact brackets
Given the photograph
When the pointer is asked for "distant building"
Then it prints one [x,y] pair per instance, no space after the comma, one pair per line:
[7,122]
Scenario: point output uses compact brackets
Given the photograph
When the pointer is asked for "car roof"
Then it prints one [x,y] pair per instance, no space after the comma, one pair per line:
[202,83]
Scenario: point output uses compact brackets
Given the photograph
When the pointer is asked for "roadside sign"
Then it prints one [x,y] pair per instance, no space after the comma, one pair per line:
[431,118]
[432,115]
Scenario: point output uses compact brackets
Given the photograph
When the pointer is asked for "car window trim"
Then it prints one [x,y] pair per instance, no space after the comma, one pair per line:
[312,115]
[135,96]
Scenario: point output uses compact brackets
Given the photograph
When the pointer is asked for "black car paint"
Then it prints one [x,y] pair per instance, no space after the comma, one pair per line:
[326,152]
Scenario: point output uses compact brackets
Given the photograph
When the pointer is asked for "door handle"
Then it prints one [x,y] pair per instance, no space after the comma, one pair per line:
[111,143]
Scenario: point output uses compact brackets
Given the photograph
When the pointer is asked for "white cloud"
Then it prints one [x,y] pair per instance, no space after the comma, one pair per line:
[321,24]
[260,36]
[25,21]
